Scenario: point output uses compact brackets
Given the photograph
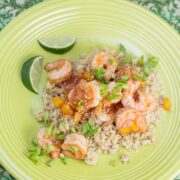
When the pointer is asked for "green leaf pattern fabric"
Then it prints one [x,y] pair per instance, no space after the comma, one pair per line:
[169,10]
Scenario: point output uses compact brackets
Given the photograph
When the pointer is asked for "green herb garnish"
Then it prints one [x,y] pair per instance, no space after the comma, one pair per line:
[122,49]
[34,154]
[50,148]
[113,62]
[103,89]
[137,77]
[80,105]
[62,122]
[124,78]
[63,159]
[140,61]
[149,65]
[127,59]
[99,73]
[60,137]
[113,96]
[46,119]
[73,149]
[88,129]
[49,162]
[113,163]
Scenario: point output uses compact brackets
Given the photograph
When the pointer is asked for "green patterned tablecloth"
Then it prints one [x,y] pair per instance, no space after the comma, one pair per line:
[169,10]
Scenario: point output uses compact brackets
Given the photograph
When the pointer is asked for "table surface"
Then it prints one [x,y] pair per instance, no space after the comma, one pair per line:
[169,10]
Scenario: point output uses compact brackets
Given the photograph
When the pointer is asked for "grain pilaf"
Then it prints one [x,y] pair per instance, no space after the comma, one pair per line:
[101,103]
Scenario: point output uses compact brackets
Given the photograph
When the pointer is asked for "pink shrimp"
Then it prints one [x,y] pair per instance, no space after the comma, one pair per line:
[88,93]
[134,98]
[75,146]
[103,115]
[106,61]
[130,120]
[44,142]
[58,71]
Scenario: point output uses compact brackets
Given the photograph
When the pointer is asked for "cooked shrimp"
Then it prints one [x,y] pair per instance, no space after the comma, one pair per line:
[134,98]
[75,146]
[127,70]
[130,120]
[44,141]
[103,115]
[106,61]
[86,93]
[58,71]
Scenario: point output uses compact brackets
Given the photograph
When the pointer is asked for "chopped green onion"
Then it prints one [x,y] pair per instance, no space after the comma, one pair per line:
[46,119]
[124,78]
[140,61]
[80,105]
[127,59]
[49,162]
[88,129]
[137,77]
[73,149]
[63,159]
[34,154]
[113,96]
[50,148]
[60,137]
[72,130]
[99,73]
[113,163]
[103,89]
[62,122]
[122,48]
[113,62]
[149,65]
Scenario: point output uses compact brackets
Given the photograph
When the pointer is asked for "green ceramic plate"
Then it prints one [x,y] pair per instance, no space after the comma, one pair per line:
[95,24]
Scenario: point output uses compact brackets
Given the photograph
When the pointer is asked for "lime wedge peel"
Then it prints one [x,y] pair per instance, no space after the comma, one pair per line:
[31,73]
[56,44]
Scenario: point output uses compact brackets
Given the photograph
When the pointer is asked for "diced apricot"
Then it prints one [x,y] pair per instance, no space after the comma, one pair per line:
[134,128]
[125,131]
[77,116]
[57,101]
[166,104]
[66,109]
[88,76]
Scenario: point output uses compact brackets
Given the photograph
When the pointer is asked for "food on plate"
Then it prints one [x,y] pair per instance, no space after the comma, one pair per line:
[99,104]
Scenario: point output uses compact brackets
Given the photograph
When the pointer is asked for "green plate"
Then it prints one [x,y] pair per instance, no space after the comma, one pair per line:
[102,23]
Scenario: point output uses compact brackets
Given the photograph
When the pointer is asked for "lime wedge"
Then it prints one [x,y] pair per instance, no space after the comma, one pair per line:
[58,45]
[31,73]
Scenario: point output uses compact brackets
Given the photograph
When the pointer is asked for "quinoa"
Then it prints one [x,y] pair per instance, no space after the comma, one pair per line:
[107,140]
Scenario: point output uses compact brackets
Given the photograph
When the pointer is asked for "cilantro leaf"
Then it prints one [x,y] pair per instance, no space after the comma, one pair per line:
[99,73]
